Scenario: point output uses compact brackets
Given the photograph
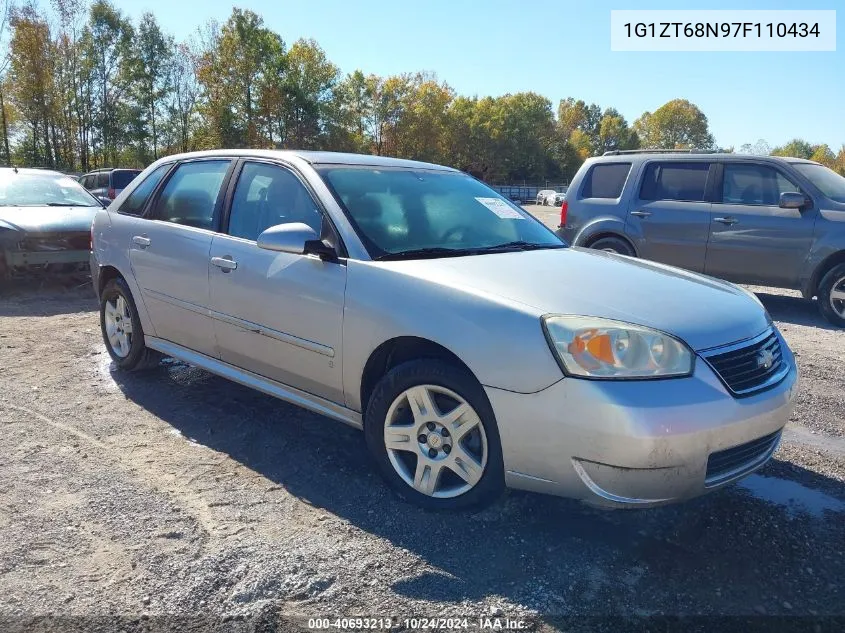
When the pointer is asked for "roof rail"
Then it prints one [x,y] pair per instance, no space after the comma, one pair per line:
[617,152]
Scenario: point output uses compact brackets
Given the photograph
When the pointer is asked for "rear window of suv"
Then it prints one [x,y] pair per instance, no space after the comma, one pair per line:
[605,180]
[121,178]
[675,181]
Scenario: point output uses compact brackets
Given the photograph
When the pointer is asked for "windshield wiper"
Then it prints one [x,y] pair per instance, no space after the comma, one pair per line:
[517,246]
[68,204]
[428,253]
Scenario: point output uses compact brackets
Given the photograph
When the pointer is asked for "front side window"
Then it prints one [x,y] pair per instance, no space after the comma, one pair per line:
[828,181]
[405,211]
[267,195]
[684,182]
[134,204]
[605,180]
[754,184]
[190,195]
[28,189]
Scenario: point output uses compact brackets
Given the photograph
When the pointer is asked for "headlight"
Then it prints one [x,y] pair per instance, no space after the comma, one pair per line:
[603,348]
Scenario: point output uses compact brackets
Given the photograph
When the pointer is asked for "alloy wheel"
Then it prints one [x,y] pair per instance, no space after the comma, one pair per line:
[837,297]
[118,320]
[435,441]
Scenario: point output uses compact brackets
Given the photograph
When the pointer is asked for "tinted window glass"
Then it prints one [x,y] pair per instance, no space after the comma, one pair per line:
[121,178]
[102,181]
[134,204]
[675,181]
[605,180]
[190,195]
[267,195]
[754,184]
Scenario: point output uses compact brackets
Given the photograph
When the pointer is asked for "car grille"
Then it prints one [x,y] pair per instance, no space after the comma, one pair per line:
[40,242]
[731,463]
[751,366]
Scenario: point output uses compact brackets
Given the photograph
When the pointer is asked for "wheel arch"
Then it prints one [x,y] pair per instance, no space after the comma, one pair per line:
[398,350]
[595,237]
[812,286]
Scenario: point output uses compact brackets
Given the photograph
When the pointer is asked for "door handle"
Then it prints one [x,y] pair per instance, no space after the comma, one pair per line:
[641,214]
[141,240]
[728,220]
[224,263]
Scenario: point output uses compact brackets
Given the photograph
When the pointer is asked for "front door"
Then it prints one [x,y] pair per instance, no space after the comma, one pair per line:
[169,252]
[279,315]
[669,217]
[752,239]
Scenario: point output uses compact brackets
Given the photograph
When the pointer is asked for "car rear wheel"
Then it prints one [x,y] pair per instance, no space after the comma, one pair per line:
[121,328]
[613,245]
[432,432]
[831,295]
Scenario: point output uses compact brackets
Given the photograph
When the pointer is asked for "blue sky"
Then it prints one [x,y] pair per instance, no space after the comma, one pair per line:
[559,48]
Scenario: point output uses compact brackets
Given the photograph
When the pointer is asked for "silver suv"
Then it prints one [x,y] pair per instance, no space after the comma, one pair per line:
[473,348]
[748,219]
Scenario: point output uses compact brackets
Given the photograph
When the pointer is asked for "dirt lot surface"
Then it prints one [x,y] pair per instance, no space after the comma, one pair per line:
[177,492]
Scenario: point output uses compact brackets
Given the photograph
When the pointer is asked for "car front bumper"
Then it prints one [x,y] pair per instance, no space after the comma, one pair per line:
[638,443]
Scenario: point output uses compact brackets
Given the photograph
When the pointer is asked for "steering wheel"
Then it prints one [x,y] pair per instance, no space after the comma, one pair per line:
[457,233]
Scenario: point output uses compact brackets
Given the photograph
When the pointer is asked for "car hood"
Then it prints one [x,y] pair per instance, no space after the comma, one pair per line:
[703,311]
[48,219]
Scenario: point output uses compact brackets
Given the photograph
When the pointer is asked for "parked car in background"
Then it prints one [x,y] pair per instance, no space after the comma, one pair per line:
[544,196]
[45,220]
[559,197]
[108,183]
[473,348]
[749,219]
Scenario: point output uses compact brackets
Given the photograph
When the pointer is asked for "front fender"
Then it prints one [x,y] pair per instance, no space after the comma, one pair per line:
[501,341]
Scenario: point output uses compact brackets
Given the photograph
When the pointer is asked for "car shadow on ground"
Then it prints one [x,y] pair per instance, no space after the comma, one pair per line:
[39,295]
[732,551]
[795,310]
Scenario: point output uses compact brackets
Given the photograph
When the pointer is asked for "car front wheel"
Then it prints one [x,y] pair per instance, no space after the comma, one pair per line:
[831,295]
[431,429]
[121,328]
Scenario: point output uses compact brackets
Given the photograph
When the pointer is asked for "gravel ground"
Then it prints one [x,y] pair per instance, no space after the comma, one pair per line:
[177,492]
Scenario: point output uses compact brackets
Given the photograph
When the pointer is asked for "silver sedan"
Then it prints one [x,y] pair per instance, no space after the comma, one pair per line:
[473,347]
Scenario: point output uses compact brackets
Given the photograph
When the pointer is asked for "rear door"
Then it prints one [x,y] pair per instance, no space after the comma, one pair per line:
[752,239]
[169,252]
[669,217]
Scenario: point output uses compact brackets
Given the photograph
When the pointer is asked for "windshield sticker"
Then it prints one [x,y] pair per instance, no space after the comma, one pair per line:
[501,208]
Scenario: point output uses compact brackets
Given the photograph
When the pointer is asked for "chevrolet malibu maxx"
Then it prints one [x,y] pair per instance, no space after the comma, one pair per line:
[472,346]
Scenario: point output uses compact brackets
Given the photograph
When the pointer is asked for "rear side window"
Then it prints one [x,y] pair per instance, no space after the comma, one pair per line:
[190,195]
[134,204]
[605,180]
[686,182]
[102,180]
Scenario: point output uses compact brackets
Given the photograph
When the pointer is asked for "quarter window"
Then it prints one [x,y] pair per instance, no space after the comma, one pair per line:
[686,182]
[190,195]
[134,204]
[605,180]
[754,185]
[267,195]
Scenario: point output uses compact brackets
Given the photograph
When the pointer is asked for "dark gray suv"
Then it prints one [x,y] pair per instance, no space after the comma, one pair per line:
[748,219]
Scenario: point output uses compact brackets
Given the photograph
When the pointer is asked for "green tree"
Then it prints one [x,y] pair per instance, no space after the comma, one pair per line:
[151,57]
[797,148]
[677,124]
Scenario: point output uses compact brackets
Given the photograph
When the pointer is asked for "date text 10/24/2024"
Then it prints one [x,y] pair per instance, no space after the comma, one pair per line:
[482,623]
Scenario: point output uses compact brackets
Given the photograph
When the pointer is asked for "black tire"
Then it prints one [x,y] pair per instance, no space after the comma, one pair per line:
[613,245]
[834,278]
[437,373]
[139,356]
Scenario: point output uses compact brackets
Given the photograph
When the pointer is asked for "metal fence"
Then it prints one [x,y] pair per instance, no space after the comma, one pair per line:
[528,193]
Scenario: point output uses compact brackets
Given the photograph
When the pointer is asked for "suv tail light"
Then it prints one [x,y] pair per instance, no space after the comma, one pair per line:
[111,194]
[563,210]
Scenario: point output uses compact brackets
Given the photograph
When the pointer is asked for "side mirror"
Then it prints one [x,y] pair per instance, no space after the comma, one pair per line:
[296,238]
[792,200]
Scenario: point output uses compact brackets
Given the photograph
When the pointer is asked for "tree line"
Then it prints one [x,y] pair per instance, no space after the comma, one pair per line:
[83,86]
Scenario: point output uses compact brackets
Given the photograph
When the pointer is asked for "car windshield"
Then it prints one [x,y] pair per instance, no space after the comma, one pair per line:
[22,189]
[828,181]
[428,213]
